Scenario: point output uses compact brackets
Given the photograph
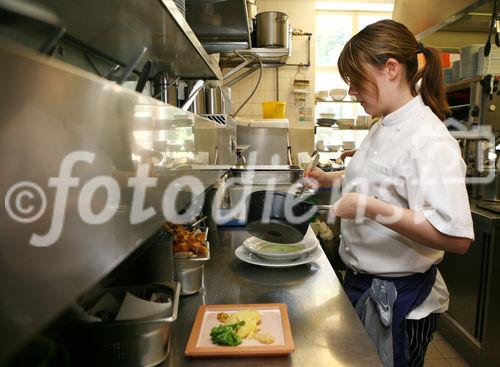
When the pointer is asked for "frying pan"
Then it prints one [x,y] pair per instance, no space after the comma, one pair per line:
[280,217]
[270,214]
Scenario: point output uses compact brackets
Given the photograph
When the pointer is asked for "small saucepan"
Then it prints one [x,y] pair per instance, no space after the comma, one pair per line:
[279,217]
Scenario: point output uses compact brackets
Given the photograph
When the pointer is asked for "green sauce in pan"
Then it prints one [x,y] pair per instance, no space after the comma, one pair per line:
[273,248]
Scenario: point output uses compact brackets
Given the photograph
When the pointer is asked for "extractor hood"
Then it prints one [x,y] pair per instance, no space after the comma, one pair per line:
[450,25]
[220,25]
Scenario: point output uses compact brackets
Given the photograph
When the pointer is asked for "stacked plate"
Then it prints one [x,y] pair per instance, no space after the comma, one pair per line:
[490,64]
[468,60]
[260,252]
[325,122]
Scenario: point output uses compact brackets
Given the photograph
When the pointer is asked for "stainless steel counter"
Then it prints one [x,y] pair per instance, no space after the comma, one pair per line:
[326,330]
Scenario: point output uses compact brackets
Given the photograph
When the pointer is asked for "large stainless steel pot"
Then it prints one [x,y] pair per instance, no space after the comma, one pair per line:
[273,29]
[165,88]
[199,105]
[218,100]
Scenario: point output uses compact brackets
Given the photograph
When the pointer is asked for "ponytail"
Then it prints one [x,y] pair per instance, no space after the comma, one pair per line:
[386,39]
[432,88]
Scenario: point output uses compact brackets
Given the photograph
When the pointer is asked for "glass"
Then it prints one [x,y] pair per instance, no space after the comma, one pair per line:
[364,20]
[333,31]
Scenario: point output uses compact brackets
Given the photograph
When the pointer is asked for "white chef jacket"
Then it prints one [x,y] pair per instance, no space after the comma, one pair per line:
[410,160]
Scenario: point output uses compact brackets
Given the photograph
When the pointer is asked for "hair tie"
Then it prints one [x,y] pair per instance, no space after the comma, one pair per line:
[421,48]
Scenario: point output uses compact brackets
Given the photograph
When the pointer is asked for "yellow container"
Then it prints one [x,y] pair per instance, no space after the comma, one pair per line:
[274,110]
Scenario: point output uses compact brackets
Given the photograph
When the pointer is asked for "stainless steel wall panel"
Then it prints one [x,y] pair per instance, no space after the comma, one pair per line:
[48,111]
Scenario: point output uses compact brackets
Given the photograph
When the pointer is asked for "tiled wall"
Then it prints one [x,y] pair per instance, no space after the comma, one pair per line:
[302,16]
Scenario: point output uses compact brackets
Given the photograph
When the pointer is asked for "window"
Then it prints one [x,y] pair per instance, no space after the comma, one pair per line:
[336,23]
[334,29]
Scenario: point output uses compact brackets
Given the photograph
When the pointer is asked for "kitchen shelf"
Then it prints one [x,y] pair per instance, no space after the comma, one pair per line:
[335,127]
[117,29]
[320,101]
[270,57]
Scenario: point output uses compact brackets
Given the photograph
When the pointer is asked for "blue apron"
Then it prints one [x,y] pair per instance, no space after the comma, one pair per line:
[412,290]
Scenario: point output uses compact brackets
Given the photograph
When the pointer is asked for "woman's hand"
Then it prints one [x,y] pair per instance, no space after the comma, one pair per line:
[316,178]
[350,205]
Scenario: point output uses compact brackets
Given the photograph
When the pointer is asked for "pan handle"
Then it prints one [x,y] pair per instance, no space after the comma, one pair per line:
[323,208]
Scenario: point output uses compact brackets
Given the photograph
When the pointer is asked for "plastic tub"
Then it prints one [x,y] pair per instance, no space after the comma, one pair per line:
[274,110]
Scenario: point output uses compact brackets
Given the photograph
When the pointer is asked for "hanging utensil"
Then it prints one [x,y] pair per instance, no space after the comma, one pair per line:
[132,65]
[143,76]
[487,46]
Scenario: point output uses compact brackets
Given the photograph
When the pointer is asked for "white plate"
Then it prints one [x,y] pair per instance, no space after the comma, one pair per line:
[308,243]
[246,256]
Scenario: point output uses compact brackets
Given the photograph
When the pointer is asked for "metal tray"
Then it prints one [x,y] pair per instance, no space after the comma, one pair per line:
[264,175]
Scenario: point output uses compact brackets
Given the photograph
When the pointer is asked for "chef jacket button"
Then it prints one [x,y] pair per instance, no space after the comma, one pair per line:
[375,152]
[347,248]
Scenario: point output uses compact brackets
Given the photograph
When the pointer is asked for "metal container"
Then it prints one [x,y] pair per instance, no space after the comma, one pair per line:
[165,88]
[273,29]
[491,191]
[214,100]
[128,343]
[199,105]
[189,271]
[218,100]
[190,275]
[266,174]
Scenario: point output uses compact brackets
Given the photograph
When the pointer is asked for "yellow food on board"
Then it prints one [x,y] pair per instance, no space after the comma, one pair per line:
[264,337]
[250,328]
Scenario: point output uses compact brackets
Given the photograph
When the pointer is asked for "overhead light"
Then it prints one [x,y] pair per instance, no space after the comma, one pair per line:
[355,6]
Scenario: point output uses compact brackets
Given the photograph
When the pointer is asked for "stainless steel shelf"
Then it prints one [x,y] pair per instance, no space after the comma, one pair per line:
[270,57]
[118,28]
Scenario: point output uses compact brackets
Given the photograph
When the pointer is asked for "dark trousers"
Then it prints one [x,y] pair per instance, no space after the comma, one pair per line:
[419,336]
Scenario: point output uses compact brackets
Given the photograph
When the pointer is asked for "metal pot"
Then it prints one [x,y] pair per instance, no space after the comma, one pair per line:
[218,100]
[273,29]
[165,88]
[199,105]
[214,100]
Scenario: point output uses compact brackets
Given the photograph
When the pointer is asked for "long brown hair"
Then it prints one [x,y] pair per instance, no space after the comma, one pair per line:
[385,39]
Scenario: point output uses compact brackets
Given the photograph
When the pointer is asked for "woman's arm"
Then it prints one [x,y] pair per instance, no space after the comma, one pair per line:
[407,222]
[325,179]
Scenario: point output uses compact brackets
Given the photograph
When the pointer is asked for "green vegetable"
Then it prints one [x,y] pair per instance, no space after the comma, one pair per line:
[226,334]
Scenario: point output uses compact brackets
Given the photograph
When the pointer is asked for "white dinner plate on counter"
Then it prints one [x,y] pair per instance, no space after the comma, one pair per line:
[246,256]
[278,253]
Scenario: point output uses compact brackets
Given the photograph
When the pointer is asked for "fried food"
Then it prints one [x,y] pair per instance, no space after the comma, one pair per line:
[222,317]
[190,241]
